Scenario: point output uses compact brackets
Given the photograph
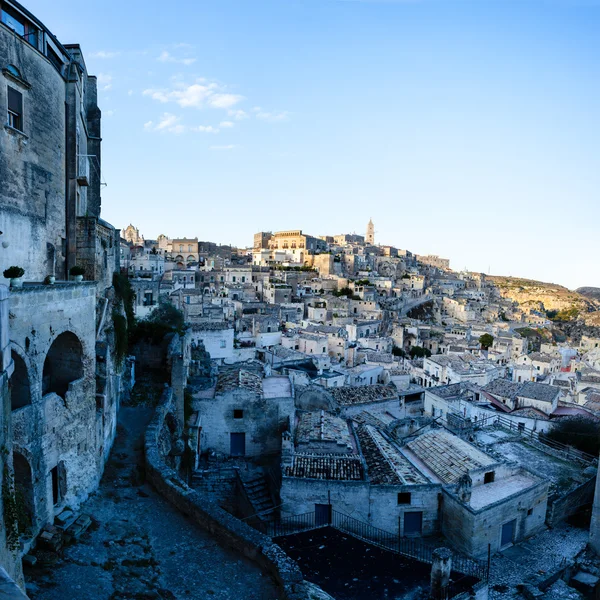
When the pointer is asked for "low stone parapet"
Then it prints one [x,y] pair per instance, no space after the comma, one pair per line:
[224,527]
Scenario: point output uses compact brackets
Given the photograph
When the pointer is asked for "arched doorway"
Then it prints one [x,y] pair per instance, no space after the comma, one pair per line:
[20,390]
[23,493]
[63,364]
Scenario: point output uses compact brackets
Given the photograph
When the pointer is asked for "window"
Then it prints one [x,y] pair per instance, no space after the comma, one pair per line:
[54,59]
[238,413]
[15,109]
[404,497]
[20,26]
[489,477]
[222,344]
[530,512]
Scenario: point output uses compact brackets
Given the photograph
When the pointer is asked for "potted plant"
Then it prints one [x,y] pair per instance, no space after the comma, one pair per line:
[77,272]
[49,280]
[14,274]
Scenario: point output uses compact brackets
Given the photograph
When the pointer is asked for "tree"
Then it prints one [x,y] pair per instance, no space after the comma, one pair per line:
[397,351]
[169,315]
[418,352]
[486,340]
[580,432]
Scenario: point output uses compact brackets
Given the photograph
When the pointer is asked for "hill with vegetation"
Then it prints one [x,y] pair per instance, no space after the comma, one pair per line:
[545,296]
[593,293]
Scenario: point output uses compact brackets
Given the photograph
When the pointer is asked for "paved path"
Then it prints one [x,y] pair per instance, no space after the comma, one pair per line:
[142,547]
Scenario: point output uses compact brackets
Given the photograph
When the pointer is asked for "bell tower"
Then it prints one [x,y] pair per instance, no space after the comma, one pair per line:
[370,238]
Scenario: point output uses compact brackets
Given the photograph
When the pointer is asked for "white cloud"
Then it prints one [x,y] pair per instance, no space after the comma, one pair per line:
[105,81]
[108,113]
[205,129]
[196,95]
[130,92]
[271,117]
[238,115]
[104,54]
[227,147]
[167,57]
[226,124]
[168,123]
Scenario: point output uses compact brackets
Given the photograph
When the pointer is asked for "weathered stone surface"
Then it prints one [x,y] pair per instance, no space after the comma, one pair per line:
[139,544]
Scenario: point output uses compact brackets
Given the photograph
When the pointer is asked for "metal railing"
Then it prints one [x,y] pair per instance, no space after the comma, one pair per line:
[457,422]
[414,548]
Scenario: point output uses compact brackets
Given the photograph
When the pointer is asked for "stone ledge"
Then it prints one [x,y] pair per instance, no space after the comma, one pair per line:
[9,590]
[227,529]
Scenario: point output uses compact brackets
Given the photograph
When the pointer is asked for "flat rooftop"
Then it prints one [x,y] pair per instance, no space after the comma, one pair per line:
[488,494]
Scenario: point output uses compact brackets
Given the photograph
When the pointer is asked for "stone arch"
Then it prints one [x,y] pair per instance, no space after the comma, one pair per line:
[20,386]
[314,398]
[24,491]
[63,364]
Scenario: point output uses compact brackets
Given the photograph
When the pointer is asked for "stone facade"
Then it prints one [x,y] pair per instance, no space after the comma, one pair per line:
[61,379]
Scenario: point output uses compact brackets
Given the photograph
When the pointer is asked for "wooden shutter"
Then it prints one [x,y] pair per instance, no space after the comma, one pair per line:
[15,101]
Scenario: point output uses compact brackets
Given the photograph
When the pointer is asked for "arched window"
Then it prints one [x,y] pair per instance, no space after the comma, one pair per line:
[63,364]
[20,391]
[13,70]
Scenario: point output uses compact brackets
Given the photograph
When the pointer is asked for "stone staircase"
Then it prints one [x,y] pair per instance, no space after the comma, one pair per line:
[257,491]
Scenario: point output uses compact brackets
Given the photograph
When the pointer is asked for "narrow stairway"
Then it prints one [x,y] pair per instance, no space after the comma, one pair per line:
[257,490]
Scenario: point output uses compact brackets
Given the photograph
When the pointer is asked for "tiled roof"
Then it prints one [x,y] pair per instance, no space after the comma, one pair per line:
[385,463]
[211,325]
[446,455]
[349,395]
[538,391]
[329,466]
[321,426]
[232,379]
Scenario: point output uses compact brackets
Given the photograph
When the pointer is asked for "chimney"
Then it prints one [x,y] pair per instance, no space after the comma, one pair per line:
[440,573]
[465,483]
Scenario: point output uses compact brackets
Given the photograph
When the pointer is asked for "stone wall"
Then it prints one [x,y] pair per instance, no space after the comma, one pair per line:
[58,434]
[471,531]
[262,422]
[227,529]
[568,504]
[32,163]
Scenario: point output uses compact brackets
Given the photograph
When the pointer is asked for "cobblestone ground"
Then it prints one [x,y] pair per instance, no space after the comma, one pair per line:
[544,552]
[140,547]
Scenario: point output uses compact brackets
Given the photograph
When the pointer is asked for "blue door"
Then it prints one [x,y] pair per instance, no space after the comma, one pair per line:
[413,523]
[237,444]
[322,514]
[508,532]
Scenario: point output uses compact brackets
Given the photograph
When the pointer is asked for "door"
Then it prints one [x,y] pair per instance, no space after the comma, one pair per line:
[508,532]
[237,444]
[413,523]
[322,514]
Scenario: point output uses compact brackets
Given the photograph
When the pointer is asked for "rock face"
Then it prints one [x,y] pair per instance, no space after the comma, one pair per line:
[589,292]
[551,295]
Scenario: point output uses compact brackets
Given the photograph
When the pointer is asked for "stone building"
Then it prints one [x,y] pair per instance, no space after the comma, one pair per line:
[60,375]
[243,413]
[418,486]
[296,243]
[133,236]
[184,251]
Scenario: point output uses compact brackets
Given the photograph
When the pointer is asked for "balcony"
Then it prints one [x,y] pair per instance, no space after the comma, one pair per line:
[83,170]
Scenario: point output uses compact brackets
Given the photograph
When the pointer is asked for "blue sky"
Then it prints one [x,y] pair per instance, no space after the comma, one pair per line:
[468,129]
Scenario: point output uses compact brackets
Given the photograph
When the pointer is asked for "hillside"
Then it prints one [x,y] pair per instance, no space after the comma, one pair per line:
[548,296]
[589,292]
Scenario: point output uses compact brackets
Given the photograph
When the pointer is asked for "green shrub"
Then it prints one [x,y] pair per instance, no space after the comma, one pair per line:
[76,270]
[14,272]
